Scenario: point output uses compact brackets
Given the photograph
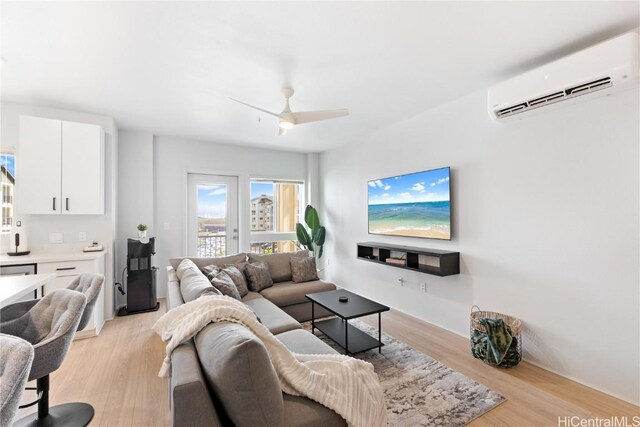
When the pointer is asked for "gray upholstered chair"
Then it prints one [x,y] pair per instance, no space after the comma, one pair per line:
[49,326]
[90,285]
[16,356]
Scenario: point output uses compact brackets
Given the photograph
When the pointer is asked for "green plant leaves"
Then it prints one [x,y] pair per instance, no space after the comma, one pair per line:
[320,235]
[311,218]
[303,236]
[313,241]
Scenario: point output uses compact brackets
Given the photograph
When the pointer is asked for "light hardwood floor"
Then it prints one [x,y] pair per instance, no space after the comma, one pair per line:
[535,397]
[117,373]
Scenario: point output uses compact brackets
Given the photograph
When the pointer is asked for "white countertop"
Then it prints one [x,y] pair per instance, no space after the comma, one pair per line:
[12,288]
[36,257]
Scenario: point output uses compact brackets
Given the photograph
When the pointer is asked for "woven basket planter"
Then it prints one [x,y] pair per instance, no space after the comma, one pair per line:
[479,334]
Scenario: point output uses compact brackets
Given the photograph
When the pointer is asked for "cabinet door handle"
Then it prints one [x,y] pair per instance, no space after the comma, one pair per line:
[67,203]
[54,203]
[65,268]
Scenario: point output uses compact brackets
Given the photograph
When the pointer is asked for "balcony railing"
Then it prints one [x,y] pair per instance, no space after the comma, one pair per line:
[274,247]
[264,248]
[212,246]
[216,245]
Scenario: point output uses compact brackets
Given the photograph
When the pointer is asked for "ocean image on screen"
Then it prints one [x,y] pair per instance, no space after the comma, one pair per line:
[415,205]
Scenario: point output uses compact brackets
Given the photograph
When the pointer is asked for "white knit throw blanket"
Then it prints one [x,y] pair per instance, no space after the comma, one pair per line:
[346,385]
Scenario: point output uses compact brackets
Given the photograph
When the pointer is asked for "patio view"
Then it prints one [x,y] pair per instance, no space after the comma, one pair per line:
[275,209]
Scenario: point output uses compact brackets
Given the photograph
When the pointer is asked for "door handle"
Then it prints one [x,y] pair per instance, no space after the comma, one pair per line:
[65,268]
[67,203]
[54,203]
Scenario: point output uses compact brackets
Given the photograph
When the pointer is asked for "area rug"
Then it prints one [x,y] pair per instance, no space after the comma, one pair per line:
[419,390]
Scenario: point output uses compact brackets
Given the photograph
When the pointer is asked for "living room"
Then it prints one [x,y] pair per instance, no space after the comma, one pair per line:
[201,152]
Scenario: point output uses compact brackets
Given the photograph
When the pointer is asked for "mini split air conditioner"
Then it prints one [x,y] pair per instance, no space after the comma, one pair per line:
[600,70]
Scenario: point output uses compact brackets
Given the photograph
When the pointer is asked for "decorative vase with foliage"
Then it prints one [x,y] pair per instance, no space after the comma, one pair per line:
[311,237]
[142,231]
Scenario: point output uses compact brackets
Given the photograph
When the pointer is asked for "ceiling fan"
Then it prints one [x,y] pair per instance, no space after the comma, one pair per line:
[288,118]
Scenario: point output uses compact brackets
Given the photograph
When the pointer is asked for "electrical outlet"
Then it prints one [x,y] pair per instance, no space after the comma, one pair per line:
[82,236]
[166,226]
[423,287]
[55,238]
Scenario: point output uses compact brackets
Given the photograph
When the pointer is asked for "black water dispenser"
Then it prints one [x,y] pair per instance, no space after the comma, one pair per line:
[141,277]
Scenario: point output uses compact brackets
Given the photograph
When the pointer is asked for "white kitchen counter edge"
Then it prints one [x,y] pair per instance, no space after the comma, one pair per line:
[40,257]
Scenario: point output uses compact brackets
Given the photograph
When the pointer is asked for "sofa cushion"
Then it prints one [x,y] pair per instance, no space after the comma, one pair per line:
[251,295]
[238,369]
[203,262]
[258,276]
[304,311]
[238,278]
[304,342]
[301,411]
[279,264]
[193,284]
[287,293]
[276,320]
[221,281]
[303,269]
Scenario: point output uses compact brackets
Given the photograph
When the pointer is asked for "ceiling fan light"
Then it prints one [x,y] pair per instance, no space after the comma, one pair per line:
[285,125]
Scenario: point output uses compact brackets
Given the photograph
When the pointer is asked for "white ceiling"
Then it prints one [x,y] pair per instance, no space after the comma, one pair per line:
[167,67]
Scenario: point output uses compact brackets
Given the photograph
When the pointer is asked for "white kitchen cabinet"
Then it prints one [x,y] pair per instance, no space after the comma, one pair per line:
[66,272]
[82,168]
[39,159]
[60,167]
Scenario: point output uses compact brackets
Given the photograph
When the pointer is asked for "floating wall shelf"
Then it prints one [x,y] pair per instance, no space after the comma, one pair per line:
[430,261]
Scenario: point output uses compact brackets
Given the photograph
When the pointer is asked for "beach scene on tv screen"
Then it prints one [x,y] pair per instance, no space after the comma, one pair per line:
[415,205]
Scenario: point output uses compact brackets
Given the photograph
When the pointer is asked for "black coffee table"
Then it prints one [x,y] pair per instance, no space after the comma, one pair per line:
[347,336]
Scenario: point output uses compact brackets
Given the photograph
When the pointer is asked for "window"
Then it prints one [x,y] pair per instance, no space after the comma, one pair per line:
[7,184]
[276,207]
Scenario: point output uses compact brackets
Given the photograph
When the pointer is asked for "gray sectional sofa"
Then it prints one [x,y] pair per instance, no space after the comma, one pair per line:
[223,377]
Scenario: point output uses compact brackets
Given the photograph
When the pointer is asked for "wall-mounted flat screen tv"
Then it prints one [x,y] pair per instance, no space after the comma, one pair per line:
[413,205]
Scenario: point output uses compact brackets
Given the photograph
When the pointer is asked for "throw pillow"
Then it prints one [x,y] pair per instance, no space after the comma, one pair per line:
[258,276]
[303,269]
[221,281]
[193,284]
[279,266]
[210,270]
[238,279]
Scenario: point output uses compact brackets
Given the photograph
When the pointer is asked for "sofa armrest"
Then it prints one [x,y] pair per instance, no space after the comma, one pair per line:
[174,296]
[191,403]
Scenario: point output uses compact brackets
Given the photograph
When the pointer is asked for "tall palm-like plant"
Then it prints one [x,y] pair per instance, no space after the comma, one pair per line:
[313,238]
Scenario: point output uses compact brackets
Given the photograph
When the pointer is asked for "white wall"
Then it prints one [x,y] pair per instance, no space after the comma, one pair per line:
[174,157]
[545,216]
[101,228]
[135,193]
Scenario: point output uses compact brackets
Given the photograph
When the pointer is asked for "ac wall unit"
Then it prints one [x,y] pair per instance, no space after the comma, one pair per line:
[603,69]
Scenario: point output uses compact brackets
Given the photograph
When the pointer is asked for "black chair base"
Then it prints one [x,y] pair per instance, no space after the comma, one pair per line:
[67,415]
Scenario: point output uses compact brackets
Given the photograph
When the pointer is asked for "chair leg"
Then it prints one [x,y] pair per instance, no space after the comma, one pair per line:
[42,385]
[68,414]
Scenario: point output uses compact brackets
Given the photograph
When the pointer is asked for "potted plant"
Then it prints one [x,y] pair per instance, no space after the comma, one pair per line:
[313,238]
[142,231]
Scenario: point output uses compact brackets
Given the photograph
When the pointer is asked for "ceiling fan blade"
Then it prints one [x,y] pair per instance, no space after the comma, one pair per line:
[281,131]
[314,116]
[254,107]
